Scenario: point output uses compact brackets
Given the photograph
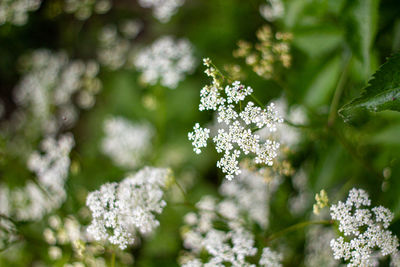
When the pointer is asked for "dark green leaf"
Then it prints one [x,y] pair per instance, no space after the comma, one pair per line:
[382,93]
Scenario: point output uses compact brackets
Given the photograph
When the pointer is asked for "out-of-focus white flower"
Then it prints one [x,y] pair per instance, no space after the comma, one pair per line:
[288,135]
[166,61]
[38,198]
[364,230]
[317,249]
[116,50]
[230,246]
[126,143]
[163,10]
[51,80]
[273,10]
[119,210]
[251,192]
[16,11]
[83,9]
[270,258]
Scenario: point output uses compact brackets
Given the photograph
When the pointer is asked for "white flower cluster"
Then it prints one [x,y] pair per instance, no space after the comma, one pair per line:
[47,193]
[16,11]
[317,249]
[119,210]
[251,193]
[273,10]
[67,232]
[83,9]
[116,50]
[126,143]
[166,61]
[235,127]
[288,135]
[230,246]
[363,230]
[270,258]
[51,80]
[302,201]
[8,232]
[163,10]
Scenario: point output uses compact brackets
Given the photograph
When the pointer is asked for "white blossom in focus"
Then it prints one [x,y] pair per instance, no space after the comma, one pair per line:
[166,61]
[199,137]
[126,143]
[163,10]
[119,210]
[365,229]
[236,128]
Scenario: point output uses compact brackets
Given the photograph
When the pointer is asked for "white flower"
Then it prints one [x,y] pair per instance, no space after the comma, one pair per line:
[166,61]
[251,192]
[237,92]
[232,245]
[270,258]
[365,229]
[273,10]
[36,199]
[226,114]
[237,138]
[48,86]
[210,98]
[16,11]
[229,164]
[83,9]
[126,143]
[163,10]
[199,137]
[119,210]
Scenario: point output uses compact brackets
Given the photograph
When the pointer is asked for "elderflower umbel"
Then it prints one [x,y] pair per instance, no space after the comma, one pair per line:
[126,143]
[364,229]
[166,61]
[163,10]
[119,210]
[235,135]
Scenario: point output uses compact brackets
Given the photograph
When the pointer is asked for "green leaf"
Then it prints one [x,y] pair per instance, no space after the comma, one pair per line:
[382,93]
[361,24]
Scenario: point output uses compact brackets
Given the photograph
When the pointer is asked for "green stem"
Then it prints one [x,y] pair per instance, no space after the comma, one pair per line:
[113,259]
[294,228]
[339,89]
[180,188]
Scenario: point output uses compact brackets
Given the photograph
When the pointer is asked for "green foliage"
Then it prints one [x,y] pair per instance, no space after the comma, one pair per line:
[382,93]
